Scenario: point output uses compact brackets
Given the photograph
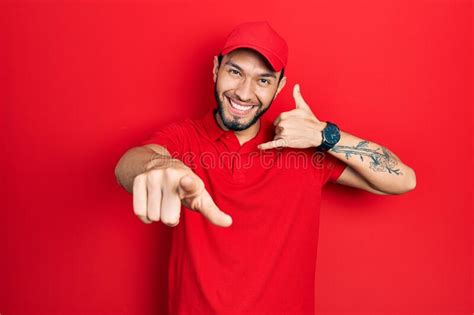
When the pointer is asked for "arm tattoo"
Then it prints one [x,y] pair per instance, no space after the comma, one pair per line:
[379,161]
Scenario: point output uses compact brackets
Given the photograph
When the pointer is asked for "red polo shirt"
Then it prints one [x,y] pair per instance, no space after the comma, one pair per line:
[265,262]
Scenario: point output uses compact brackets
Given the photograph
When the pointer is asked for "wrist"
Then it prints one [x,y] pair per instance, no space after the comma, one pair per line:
[157,160]
[161,161]
[319,133]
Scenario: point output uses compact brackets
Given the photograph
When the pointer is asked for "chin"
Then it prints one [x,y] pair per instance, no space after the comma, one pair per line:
[235,123]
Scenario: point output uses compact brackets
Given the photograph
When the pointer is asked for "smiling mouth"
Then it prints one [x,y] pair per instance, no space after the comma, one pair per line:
[239,108]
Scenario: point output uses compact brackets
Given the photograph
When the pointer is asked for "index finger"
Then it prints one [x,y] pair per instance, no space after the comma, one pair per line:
[212,212]
[278,143]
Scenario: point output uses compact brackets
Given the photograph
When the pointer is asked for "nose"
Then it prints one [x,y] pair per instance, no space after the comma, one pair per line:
[244,90]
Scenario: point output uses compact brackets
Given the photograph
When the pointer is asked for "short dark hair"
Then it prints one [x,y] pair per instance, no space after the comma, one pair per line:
[219,59]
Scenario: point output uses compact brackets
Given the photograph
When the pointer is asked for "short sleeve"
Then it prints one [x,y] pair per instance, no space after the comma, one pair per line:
[332,168]
[172,136]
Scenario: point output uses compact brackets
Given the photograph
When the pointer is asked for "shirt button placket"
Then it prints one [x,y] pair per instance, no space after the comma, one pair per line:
[235,160]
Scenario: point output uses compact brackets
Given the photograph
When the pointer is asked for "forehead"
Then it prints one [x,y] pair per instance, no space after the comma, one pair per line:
[249,60]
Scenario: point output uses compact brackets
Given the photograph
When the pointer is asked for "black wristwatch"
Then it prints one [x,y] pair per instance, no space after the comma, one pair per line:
[331,136]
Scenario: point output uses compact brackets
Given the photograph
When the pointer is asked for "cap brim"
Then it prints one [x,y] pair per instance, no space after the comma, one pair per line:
[272,59]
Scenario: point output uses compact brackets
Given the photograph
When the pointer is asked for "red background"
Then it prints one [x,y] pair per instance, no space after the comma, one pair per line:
[83,81]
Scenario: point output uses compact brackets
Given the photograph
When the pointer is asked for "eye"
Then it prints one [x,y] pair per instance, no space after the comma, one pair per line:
[233,71]
[266,81]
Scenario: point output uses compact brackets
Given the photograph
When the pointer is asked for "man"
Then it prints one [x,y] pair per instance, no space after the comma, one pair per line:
[249,246]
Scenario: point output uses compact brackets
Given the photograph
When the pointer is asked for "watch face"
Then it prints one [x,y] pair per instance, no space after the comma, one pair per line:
[331,134]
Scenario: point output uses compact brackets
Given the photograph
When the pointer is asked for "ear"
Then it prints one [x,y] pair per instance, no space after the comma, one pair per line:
[280,86]
[215,69]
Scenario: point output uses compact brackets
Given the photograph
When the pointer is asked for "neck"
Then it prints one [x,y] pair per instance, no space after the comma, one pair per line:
[242,135]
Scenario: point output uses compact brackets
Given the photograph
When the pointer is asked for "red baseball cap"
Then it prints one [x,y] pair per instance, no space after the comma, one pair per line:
[261,37]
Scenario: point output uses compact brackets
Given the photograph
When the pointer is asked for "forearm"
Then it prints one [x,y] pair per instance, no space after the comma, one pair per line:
[134,162]
[382,169]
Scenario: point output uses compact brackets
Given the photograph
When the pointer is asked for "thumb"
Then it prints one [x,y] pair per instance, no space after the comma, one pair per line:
[300,102]
[189,187]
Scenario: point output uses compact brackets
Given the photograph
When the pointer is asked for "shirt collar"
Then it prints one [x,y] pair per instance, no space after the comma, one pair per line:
[214,131]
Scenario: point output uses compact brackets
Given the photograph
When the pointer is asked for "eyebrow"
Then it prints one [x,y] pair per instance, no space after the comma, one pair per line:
[265,74]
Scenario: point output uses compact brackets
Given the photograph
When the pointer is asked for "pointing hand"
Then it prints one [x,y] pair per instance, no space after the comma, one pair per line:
[159,192]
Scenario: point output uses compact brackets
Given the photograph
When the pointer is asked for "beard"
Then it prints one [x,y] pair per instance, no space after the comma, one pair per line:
[236,124]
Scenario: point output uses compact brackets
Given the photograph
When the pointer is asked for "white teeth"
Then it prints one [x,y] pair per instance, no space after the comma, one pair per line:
[240,107]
